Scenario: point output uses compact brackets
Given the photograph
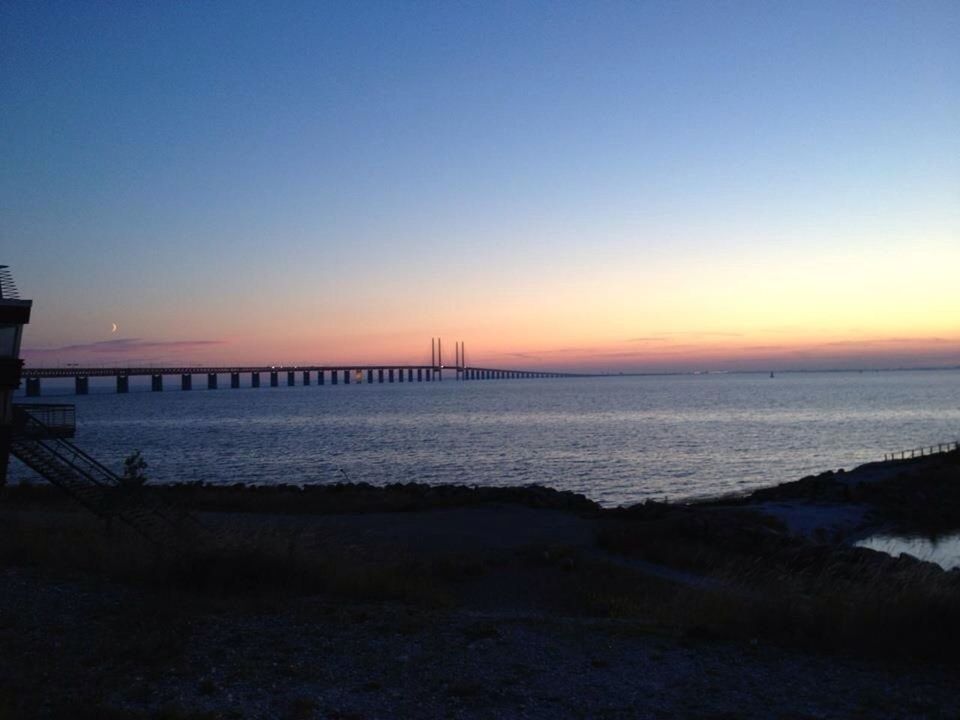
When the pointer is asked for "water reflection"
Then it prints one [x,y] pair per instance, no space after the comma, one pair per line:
[617,440]
[944,550]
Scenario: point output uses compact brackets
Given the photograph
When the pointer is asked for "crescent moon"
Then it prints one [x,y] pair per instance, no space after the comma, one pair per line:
[114,329]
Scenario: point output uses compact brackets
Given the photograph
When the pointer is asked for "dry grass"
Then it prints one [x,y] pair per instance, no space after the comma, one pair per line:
[786,591]
[772,589]
[240,564]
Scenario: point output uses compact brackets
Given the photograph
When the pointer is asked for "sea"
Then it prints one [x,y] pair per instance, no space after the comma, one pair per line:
[617,439]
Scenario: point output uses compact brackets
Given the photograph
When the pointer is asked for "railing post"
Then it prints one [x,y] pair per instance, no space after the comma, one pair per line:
[33,387]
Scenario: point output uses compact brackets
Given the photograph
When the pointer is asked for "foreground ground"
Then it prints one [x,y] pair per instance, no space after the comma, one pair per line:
[410,602]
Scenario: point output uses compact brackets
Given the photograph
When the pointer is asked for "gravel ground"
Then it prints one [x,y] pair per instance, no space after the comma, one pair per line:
[79,648]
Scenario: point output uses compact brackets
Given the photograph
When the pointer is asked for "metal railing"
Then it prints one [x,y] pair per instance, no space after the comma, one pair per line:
[67,466]
[69,454]
[59,420]
[922,451]
[8,288]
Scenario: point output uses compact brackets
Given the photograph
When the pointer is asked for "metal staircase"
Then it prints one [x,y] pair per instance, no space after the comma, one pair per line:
[44,449]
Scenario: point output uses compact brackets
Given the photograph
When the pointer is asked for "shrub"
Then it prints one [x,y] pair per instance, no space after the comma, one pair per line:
[133,470]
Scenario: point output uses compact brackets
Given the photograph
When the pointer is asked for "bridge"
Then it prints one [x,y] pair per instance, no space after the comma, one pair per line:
[321,374]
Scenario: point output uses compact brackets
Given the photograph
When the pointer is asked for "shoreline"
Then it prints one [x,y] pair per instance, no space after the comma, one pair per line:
[452,601]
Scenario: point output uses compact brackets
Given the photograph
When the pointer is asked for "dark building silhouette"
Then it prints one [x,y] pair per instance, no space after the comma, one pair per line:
[14,314]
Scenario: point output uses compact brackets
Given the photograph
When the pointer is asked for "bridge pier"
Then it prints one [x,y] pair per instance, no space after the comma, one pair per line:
[429,374]
[291,378]
[306,377]
[33,387]
[123,384]
[390,372]
[255,379]
[156,383]
[81,385]
[370,377]
[409,374]
[419,374]
[346,377]
[400,374]
[333,377]
[274,378]
[186,382]
[234,380]
[211,381]
[380,376]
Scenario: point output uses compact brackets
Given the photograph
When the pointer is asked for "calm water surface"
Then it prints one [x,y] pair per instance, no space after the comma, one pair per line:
[617,440]
[944,550]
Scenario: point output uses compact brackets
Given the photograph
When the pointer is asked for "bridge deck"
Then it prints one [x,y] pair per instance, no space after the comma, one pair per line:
[71,371]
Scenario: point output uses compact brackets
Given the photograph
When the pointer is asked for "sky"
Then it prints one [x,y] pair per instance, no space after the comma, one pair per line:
[642,186]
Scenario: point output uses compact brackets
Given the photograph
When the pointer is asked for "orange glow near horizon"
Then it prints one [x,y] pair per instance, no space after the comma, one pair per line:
[750,311]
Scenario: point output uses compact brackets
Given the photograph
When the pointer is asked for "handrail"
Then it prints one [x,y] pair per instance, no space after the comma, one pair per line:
[57,418]
[98,475]
[923,451]
[65,451]
[8,288]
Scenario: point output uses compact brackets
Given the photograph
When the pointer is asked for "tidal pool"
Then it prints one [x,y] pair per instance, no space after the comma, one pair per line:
[944,550]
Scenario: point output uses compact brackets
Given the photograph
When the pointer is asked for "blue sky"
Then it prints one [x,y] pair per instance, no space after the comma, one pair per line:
[303,175]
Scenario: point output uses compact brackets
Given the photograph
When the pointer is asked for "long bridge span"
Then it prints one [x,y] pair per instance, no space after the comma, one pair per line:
[306,374]
[376,373]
